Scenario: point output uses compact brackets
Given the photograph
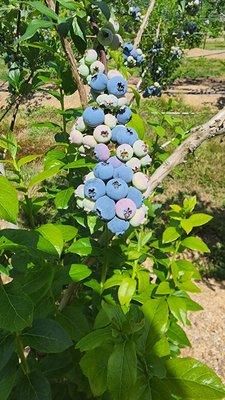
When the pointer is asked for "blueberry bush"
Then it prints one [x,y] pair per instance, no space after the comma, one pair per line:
[94,292]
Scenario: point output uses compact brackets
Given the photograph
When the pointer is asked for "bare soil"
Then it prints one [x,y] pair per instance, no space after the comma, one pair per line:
[207,333]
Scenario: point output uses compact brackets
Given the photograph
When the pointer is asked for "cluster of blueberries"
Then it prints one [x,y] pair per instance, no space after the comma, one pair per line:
[153,90]
[176,52]
[157,47]
[132,56]
[135,12]
[116,188]
[192,7]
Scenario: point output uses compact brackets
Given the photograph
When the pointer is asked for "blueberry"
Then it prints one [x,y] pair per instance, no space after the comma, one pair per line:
[104,171]
[79,124]
[124,172]
[97,67]
[118,226]
[140,217]
[79,191]
[110,120]
[88,205]
[83,70]
[146,160]
[102,134]
[128,47]
[115,162]
[134,53]
[134,163]
[116,189]
[129,137]
[135,195]
[105,208]
[90,56]
[117,86]
[140,148]
[125,208]
[140,181]
[124,152]
[113,72]
[89,176]
[94,188]
[101,152]
[76,137]
[99,82]
[89,141]
[120,131]
[93,116]
[124,115]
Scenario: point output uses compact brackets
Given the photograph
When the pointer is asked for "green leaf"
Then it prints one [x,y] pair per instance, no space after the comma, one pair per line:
[165,288]
[44,175]
[27,159]
[63,197]
[178,308]
[7,379]
[126,291]
[70,5]
[68,232]
[199,219]
[82,247]
[94,365]
[44,9]
[195,243]
[47,336]
[78,272]
[188,379]
[189,204]
[103,7]
[115,280]
[170,234]
[33,387]
[156,314]
[177,335]
[53,235]
[34,27]
[122,370]
[92,221]
[137,123]
[95,339]
[16,309]
[186,225]
[9,205]
[6,349]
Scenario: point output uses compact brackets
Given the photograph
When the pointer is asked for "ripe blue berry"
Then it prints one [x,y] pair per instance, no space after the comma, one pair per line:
[99,82]
[93,116]
[94,188]
[118,226]
[124,115]
[135,195]
[117,86]
[124,172]
[116,189]
[105,208]
[104,171]
[119,134]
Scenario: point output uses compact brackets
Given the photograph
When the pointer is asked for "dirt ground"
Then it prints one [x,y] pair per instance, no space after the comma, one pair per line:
[207,333]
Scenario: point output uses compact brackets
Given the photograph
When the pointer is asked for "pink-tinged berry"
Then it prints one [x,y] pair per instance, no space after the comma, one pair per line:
[140,217]
[140,181]
[110,120]
[79,191]
[113,72]
[102,152]
[89,142]
[102,134]
[134,163]
[124,152]
[76,137]
[140,148]
[89,176]
[97,67]
[115,162]
[125,209]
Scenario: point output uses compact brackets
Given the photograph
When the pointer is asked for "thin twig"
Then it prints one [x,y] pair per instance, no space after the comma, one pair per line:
[144,24]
